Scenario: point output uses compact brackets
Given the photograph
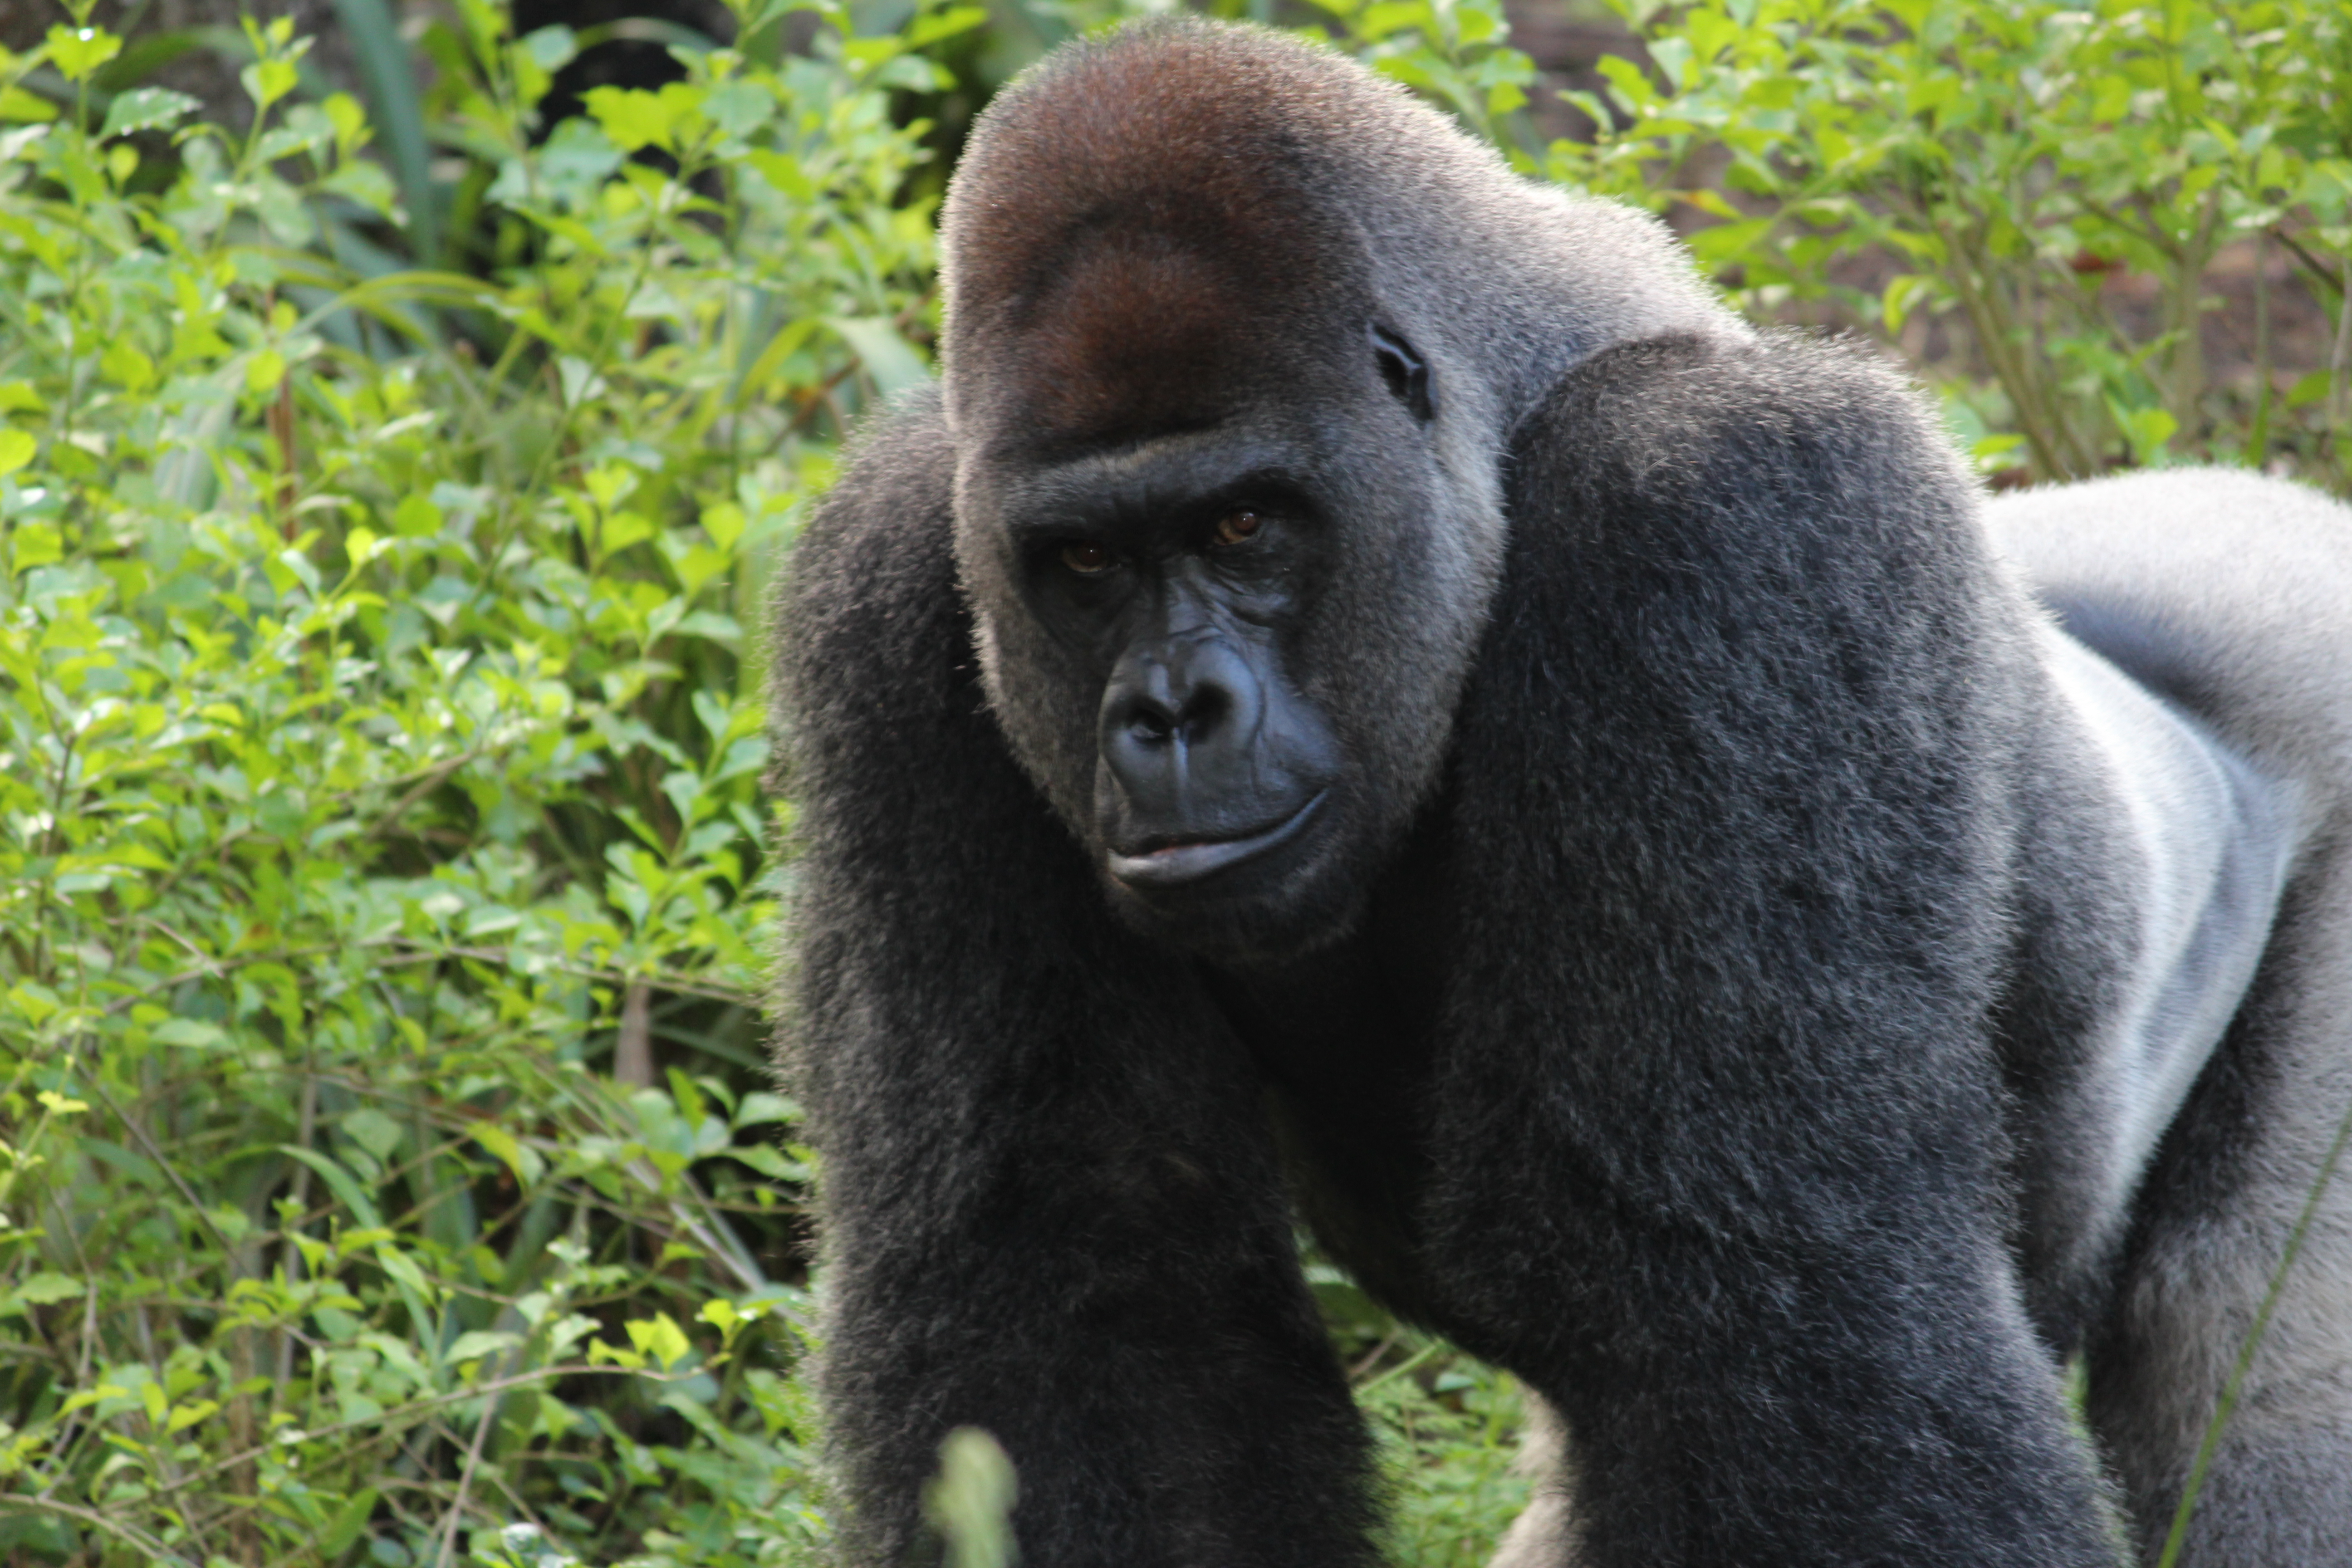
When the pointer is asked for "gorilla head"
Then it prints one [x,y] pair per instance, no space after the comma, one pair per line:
[1227,482]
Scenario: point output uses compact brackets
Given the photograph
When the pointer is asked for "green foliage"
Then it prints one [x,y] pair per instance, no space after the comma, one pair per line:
[1447,1428]
[1457,53]
[379,800]
[2015,156]
[970,1503]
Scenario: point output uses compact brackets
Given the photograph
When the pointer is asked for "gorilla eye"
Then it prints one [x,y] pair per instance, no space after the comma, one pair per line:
[1405,372]
[1086,557]
[1236,526]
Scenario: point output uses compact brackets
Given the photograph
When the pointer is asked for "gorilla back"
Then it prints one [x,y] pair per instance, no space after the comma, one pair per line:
[1366,689]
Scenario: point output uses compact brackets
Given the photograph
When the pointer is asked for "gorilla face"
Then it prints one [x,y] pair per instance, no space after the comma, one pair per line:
[1226,639]
[1227,561]
[1227,535]
[1180,583]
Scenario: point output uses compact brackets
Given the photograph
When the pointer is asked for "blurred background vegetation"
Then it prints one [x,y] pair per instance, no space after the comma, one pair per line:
[402,409]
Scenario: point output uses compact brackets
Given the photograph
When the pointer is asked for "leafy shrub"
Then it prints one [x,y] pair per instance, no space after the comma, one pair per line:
[2016,157]
[378,762]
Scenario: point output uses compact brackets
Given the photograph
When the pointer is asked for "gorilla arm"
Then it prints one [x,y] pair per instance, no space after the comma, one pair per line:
[1716,1130]
[1051,1206]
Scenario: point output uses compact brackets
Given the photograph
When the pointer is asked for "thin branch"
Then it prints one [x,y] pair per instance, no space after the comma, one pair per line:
[138,1130]
[2341,359]
[433,778]
[435,1401]
[138,1539]
[465,1481]
[2316,266]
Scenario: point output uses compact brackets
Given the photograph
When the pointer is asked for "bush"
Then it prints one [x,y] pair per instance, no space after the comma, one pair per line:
[378,763]
[2013,160]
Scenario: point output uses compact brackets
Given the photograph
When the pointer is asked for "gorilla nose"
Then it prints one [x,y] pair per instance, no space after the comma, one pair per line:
[1179,726]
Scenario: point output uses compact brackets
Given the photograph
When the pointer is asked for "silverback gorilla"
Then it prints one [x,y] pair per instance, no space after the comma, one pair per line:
[1367,694]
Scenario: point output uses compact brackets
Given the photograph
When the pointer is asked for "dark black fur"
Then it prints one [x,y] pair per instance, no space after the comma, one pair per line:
[1707,1022]
[1050,1185]
[1719,1025]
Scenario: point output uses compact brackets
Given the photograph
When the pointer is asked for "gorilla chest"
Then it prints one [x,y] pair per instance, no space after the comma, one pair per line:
[1346,1039]
[1344,1049]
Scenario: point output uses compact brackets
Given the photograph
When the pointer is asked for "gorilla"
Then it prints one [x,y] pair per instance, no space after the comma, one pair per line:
[1367,695]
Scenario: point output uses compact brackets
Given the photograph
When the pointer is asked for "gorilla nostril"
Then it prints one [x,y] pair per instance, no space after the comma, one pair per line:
[1204,710]
[1189,716]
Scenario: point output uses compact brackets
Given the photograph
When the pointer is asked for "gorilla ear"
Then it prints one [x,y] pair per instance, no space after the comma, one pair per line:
[1402,369]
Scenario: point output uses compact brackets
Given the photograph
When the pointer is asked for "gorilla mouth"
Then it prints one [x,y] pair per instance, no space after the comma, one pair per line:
[1173,864]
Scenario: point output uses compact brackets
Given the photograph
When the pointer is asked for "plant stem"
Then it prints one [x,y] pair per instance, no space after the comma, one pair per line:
[2238,1374]
[2258,439]
[2338,361]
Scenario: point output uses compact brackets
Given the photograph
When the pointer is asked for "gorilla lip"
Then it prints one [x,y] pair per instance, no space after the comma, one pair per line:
[1173,864]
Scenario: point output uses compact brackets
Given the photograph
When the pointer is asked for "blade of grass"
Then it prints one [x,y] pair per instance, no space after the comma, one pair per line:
[398,111]
[2213,1442]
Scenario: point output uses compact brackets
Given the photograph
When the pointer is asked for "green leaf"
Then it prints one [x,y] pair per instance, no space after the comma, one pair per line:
[1904,291]
[552,48]
[939,26]
[364,183]
[128,366]
[660,1338]
[17,449]
[186,1415]
[477,1344]
[78,51]
[622,529]
[190,1034]
[36,544]
[264,371]
[267,82]
[2309,390]
[145,108]
[375,1132]
[17,104]
[529,1169]
[340,1180]
[349,121]
[760,1108]
[45,1289]
[636,119]
[724,523]
[889,358]
[416,517]
[343,1528]
[764,1159]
